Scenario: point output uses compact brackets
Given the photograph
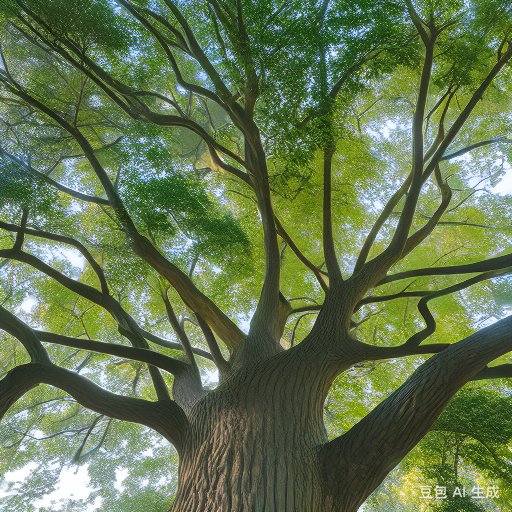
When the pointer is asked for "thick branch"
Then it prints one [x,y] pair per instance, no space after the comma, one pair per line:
[321,277]
[421,234]
[195,300]
[266,324]
[374,353]
[501,371]
[471,147]
[381,219]
[157,340]
[429,319]
[162,361]
[187,388]
[218,358]
[182,335]
[166,417]
[18,329]
[404,223]
[421,26]
[497,263]
[360,459]
[331,260]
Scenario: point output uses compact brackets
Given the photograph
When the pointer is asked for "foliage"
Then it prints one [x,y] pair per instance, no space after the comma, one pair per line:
[343,78]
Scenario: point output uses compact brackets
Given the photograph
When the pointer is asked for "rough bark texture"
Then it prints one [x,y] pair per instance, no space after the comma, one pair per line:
[258,442]
[254,443]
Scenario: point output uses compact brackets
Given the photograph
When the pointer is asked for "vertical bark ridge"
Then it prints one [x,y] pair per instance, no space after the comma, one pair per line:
[255,440]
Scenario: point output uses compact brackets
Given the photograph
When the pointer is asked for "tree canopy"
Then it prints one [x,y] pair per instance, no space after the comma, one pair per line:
[179,177]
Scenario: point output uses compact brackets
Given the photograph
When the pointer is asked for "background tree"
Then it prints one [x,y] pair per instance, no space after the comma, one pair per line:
[277,194]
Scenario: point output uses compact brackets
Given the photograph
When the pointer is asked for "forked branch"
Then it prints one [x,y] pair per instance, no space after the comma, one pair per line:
[366,453]
[165,417]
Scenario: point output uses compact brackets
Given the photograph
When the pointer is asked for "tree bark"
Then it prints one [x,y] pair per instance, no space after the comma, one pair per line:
[254,442]
[357,462]
[258,442]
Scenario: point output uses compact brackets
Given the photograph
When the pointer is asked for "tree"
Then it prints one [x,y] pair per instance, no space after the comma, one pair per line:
[309,165]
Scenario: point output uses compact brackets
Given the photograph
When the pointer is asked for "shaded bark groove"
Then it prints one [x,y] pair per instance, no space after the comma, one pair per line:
[254,442]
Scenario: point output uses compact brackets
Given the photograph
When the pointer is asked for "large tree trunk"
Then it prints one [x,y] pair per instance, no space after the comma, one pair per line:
[254,444]
[258,442]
